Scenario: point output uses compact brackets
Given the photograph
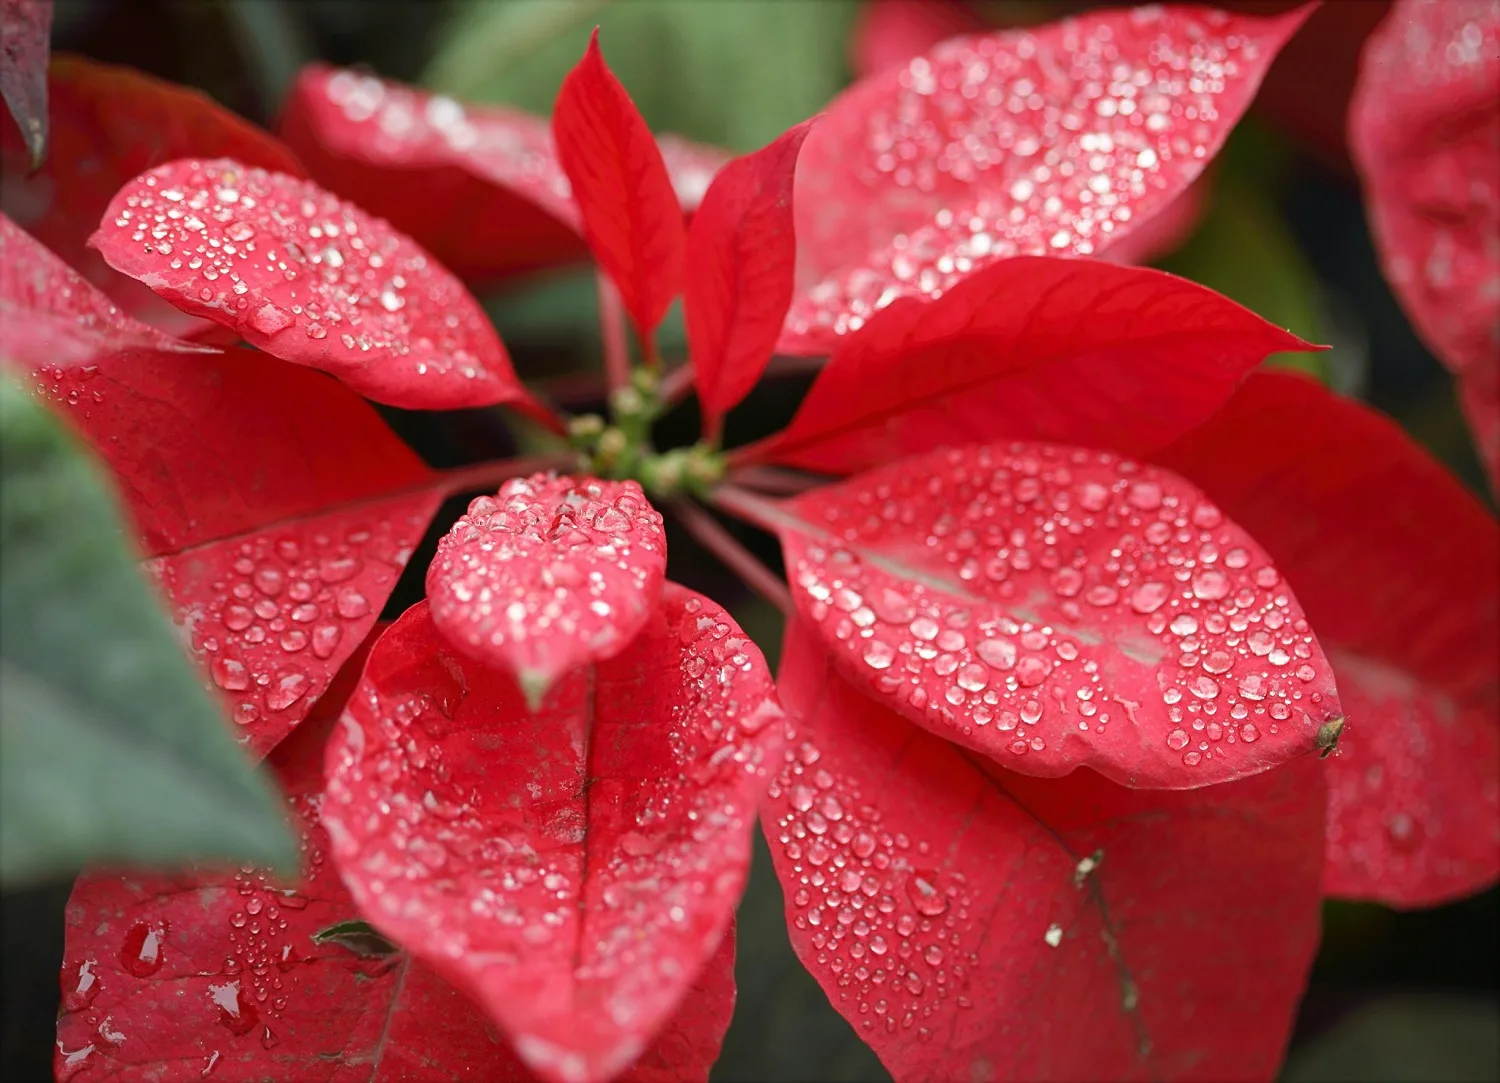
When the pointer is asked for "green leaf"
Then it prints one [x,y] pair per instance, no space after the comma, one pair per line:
[360,937]
[1244,250]
[110,747]
[732,72]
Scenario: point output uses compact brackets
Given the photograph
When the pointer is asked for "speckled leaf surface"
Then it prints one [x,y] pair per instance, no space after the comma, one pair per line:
[549,574]
[311,279]
[1397,566]
[26,31]
[218,976]
[274,547]
[1424,128]
[571,869]
[1057,140]
[109,124]
[49,314]
[478,186]
[975,924]
[1055,608]
[630,212]
[1073,351]
[741,253]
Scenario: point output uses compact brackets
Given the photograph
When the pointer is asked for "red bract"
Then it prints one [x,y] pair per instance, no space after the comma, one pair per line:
[1398,569]
[50,315]
[1058,140]
[572,869]
[550,573]
[477,186]
[976,924]
[275,547]
[630,212]
[1053,608]
[1425,130]
[1076,351]
[310,279]
[172,978]
[25,27]
[741,254]
[109,124]
[890,32]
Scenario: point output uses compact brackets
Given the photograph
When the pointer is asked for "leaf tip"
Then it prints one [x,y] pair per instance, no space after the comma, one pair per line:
[534,685]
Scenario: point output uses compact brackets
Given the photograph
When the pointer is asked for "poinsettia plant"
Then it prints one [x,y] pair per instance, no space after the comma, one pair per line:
[1109,653]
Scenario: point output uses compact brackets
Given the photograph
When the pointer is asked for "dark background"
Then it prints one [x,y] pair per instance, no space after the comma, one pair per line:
[1393,995]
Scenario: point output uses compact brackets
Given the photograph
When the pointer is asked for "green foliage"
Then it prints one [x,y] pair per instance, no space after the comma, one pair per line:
[732,72]
[110,747]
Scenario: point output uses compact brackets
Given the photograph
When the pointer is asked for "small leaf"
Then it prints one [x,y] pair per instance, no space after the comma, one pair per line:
[1058,140]
[236,985]
[630,213]
[1052,608]
[1072,351]
[274,546]
[995,943]
[109,124]
[357,936]
[549,574]
[570,869]
[49,314]
[1424,128]
[26,31]
[1397,566]
[741,253]
[310,279]
[111,749]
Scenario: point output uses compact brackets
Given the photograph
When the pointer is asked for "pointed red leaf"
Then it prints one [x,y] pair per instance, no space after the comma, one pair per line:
[26,33]
[549,574]
[1424,127]
[741,252]
[1054,608]
[50,315]
[274,545]
[630,213]
[974,924]
[1398,569]
[1075,351]
[890,32]
[574,868]
[478,186]
[109,124]
[218,976]
[1056,140]
[310,279]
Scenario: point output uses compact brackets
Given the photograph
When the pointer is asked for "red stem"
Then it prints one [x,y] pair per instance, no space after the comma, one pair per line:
[750,508]
[722,544]
[612,332]
[774,479]
[675,385]
[489,475]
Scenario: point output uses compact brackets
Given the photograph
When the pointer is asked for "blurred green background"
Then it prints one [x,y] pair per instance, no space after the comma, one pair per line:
[1393,996]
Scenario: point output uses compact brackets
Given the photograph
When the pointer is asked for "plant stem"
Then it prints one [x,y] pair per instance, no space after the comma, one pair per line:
[675,386]
[612,332]
[722,544]
[489,475]
[753,509]
[774,479]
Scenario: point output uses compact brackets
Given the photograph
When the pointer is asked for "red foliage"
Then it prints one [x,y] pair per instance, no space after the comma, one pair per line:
[911,181]
[1425,129]
[1081,352]
[1398,569]
[221,976]
[108,125]
[574,867]
[741,253]
[25,27]
[1059,654]
[972,923]
[549,574]
[620,183]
